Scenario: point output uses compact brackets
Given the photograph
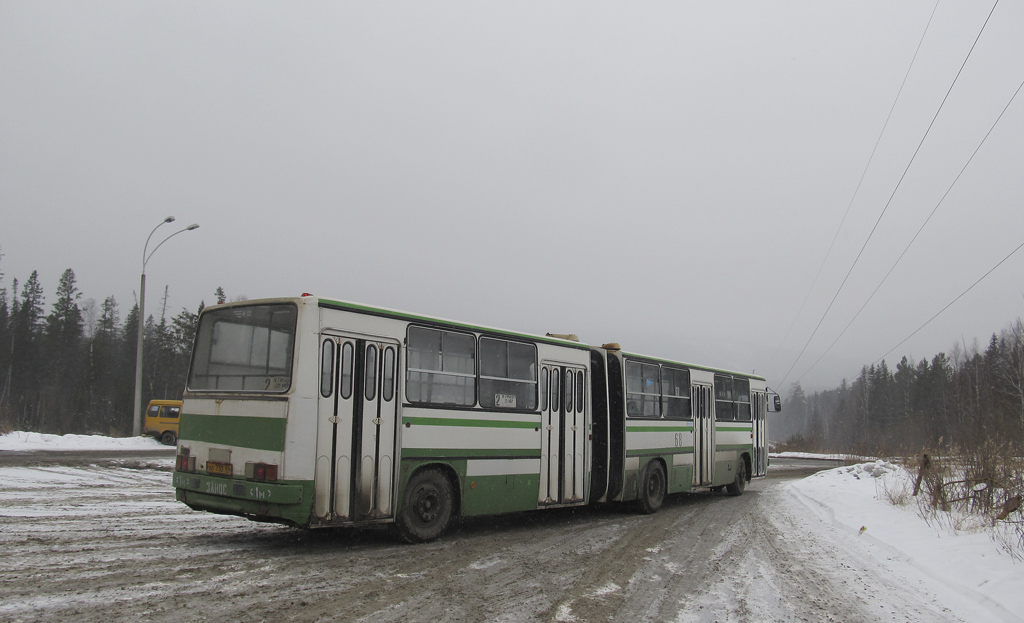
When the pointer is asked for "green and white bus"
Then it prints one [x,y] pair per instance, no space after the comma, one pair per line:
[316,412]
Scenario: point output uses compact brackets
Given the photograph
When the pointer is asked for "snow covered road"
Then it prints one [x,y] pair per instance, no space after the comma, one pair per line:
[108,542]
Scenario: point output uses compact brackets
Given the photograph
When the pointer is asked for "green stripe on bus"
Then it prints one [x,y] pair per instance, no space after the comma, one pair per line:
[442,421]
[659,451]
[258,433]
[412,454]
[658,429]
[740,446]
[733,429]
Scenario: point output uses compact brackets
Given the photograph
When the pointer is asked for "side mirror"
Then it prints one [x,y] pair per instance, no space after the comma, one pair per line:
[777,402]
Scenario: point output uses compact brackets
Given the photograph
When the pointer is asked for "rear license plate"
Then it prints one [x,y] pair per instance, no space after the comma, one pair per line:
[213,467]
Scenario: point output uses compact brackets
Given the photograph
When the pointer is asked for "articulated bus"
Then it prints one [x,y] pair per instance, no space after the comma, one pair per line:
[316,413]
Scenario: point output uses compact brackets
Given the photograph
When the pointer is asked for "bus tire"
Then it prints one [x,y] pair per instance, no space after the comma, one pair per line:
[427,509]
[740,483]
[652,488]
[168,438]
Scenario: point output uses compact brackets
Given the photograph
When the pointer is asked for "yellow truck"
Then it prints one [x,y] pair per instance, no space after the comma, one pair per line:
[162,420]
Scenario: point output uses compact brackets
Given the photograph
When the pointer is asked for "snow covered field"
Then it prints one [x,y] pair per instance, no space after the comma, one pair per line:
[22,441]
[833,535]
[968,569]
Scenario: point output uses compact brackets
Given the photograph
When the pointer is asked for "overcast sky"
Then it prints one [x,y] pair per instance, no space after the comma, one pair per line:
[665,175]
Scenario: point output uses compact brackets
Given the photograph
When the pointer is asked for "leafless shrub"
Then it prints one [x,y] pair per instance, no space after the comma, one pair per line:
[896,491]
[974,486]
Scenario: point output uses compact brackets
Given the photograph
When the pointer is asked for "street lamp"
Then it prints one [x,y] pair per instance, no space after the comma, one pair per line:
[137,417]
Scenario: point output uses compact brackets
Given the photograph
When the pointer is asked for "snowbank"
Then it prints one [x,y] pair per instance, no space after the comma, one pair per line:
[965,563]
[20,440]
[823,457]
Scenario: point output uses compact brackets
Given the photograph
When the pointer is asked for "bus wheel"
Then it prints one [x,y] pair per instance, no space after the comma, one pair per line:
[737,486]
[652,489]
[168,438]
[427,509]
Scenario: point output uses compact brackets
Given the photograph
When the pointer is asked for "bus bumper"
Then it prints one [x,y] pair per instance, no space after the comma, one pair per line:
[287,502]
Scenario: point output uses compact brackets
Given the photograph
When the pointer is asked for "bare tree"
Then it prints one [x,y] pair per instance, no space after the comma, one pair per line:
[1010,368]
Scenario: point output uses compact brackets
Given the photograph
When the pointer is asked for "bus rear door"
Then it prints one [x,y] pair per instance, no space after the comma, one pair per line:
[356,427]
[702,399]
[760,435]
[564,431]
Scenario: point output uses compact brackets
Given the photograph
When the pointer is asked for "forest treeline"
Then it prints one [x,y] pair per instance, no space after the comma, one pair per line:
[71,369]
[970,398]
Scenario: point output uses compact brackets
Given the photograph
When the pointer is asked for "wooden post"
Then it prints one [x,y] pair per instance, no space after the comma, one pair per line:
[922,470]
[1011,505]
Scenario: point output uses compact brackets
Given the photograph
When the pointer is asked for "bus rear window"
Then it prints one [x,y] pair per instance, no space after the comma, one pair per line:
[244,349]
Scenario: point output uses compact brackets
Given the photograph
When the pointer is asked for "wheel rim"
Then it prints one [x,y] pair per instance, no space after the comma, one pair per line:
[427,505]
[654,486]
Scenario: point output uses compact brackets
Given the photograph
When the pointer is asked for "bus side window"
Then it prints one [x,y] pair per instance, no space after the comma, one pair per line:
[554,390]
[643,389]
[725,407]
[741,393]
[371,372]
[327,369]
[543,389]
[389,374]
[675,393]
[172,412]
[568,391]
[440,367]
[508,374]
[346,370]
[579,391]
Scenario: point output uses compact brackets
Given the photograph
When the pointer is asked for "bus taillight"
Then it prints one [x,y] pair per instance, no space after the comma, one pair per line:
[185,462]
[260,471]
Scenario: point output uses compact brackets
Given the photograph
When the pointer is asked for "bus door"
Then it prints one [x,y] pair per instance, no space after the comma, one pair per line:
[760,462]
[564,430]
[703,401]
[356,427]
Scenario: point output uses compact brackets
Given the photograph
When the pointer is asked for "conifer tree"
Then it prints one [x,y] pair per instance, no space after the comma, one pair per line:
[62,355]
[104,368]
[27,330]
[5,354]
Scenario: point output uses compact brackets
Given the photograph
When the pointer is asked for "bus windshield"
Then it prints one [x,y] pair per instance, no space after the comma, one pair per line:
[247,348]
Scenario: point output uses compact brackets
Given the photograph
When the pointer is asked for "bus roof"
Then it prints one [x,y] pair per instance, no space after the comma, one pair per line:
[694,366]
[392,313]
[402,315]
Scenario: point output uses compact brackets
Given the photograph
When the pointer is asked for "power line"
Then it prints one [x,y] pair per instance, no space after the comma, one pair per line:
[891,268]
[889,202]
[1019,247]
[857,189]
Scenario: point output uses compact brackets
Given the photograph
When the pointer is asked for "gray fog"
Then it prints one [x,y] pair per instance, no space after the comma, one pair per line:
[668,175]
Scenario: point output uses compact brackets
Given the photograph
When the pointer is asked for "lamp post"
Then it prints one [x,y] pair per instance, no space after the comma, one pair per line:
[137,417]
